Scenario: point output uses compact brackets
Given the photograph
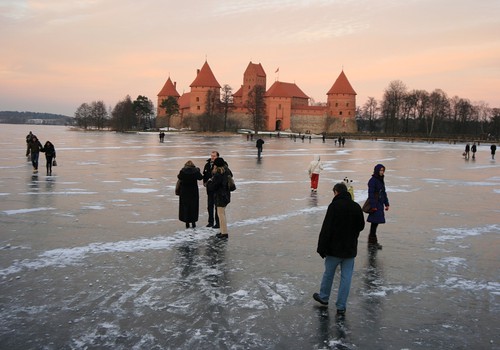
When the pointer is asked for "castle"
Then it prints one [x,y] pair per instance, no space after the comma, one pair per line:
[287,106]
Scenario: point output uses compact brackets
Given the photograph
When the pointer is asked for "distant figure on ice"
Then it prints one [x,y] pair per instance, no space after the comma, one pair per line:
[218,184]
[259,144]
[473,150]
[29,137]
[50,156]
[378,200]
[34,147]
[493,150]
[315,167]
[338,245]
[189,197]
[162,136]
[467,151]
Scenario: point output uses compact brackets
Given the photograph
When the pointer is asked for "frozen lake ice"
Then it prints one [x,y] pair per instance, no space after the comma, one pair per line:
[94,256]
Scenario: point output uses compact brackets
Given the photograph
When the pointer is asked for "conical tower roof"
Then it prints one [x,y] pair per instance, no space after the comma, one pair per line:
[168,89]
[205,77]
[341,86]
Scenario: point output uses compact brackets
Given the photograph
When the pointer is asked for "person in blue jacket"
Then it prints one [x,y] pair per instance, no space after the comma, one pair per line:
[379,202]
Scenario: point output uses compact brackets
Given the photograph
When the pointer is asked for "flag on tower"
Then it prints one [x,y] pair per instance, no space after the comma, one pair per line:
[277,70]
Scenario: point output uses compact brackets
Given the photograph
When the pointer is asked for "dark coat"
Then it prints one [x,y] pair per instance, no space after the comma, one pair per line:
[189,197]
[343,222]
[378,199]
[218,185]
[207,171]
[35,146]
[50,151]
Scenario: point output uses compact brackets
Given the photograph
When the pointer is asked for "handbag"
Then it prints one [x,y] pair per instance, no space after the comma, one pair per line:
[54,163]
[230,183]
[366,207]
[178,188]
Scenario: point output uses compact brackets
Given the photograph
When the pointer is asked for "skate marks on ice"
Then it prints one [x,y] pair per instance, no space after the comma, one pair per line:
[105,296]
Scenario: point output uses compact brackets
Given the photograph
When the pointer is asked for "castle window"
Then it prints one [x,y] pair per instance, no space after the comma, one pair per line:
[197,99]
[349,112]
[340,113]
[347,104]
[279,106]
[198,107]
[336,104]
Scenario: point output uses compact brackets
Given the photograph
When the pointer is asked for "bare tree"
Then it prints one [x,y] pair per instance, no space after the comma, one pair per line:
[100,115]
[83,116]
[369,110]
[391,105]
[226,102]
[171,107]
[439,109]
[256,107]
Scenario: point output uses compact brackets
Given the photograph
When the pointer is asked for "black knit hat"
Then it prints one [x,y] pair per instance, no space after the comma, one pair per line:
[219,162]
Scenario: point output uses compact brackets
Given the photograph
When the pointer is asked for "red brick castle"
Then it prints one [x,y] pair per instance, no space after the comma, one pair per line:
[287,106]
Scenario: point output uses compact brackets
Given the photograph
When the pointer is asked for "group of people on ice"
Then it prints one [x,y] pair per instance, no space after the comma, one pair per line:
[33,149]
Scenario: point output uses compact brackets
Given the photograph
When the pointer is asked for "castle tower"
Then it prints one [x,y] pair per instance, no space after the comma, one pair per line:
[204,82]
[253,75]
[169,89]
[341,105]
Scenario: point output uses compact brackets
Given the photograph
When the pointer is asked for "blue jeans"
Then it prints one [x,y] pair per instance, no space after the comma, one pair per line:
[346,268]
[34,159]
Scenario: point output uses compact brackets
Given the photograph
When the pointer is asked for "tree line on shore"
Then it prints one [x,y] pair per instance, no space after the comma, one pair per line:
[400,112]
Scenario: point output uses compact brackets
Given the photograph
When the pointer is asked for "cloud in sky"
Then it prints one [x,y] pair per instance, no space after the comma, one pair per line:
[57,54]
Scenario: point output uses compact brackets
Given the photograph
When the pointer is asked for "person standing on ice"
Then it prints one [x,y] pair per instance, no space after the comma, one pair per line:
[50,155]
[213,218]
[378,202]
[338,245]
[467,151]
[473,150]
[189,197]
[315,167]
[34,148]
[259,144]
[218,184]
[493,149]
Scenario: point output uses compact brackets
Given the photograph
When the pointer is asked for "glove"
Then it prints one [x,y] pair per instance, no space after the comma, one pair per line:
[323,255]
[387,208]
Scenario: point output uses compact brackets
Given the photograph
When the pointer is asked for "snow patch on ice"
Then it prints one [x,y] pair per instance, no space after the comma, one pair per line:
[25,211]
[61,257]
[453,183]
[139,179]
[93,207]
[281,217]
[139,190]
[453,233]
[465,284]
[452,262]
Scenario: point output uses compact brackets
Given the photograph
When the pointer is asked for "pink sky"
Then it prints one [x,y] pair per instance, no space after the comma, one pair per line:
[58,54]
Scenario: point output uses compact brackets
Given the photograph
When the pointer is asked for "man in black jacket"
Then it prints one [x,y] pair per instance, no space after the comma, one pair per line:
[213,218]
[338,245]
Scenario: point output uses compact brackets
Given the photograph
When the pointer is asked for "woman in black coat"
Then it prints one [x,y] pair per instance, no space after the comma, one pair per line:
[189,197]
[50,155]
